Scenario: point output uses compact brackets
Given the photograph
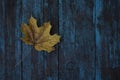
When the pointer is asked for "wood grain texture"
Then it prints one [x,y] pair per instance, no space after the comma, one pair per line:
[67,46]
[107,52]
[2,41]
[77,48]
[89,47]
[50,13]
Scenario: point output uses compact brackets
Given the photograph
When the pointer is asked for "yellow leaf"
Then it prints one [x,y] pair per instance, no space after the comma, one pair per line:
[39,37]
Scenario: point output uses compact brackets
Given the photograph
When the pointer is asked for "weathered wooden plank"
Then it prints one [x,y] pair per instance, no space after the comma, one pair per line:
[77,49]
[68,65]
[9,29]
[107,50]
[85,39]
[96,13]
[2,42]
[11,50]
[118,33]
[18,56]
[26,49]
[117,69]
[50,13]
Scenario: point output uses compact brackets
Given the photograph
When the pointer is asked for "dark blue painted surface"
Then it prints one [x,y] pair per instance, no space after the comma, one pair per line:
[89,47]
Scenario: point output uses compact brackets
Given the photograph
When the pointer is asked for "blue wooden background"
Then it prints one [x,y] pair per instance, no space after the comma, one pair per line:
[89,47]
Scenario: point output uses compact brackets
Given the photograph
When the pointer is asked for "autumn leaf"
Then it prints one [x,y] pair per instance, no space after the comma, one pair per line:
[39,37]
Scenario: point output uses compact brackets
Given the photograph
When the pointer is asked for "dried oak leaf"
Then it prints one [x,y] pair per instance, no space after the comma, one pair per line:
[39,37]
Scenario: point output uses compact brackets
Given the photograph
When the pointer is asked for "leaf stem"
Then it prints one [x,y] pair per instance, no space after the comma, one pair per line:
[1,77]
[21,59]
